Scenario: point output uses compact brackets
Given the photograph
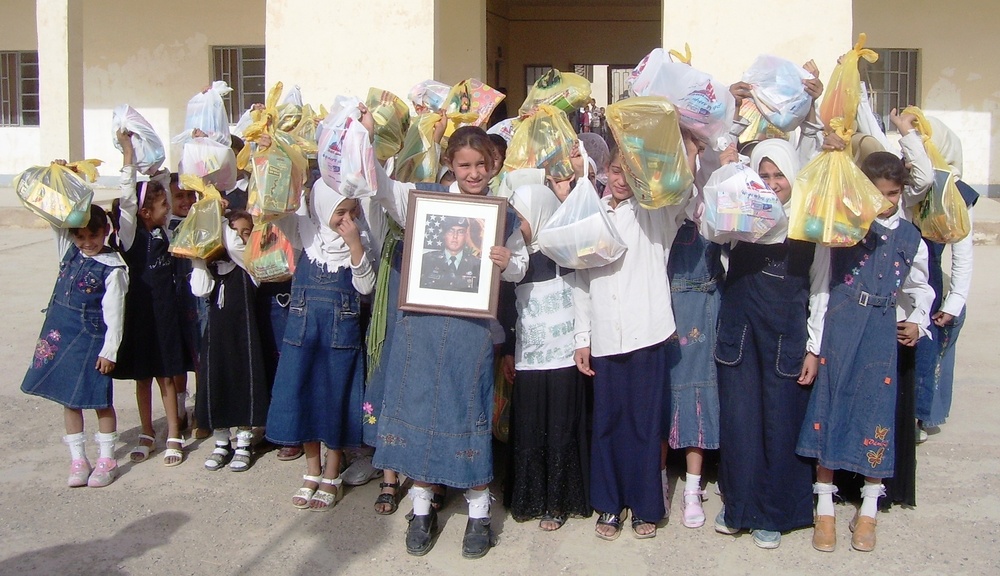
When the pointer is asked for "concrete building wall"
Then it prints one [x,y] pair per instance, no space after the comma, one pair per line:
[20,144]
[959,71]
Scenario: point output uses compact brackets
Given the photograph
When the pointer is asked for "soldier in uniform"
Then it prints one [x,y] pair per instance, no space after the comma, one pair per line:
[455,268]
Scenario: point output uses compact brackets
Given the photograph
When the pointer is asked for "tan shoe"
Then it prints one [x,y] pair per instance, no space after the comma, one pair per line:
[825,533]
[863,528]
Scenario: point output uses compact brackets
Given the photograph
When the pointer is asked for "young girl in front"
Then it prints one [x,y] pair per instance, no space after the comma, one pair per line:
[850,419]
[151,344]
[78,344]
[434,424]
[233,387]
[319,384]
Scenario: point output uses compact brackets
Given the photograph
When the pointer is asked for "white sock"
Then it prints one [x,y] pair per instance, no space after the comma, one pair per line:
[221,436]
[421,498]
[824,501]
[479,503]
[75,443]
[692,483]
[870,495]
[107,443]
[244,438]
[181,404]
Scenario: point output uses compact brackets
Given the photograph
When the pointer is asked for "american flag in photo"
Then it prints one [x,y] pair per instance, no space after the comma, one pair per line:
[433,230]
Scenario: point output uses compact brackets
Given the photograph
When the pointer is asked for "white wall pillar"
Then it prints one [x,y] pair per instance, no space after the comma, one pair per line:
[460,40]
[60,77]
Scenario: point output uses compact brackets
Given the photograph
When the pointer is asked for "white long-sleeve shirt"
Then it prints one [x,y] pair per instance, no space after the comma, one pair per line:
[625,306]
[961,274]
[115,287]
[129,204]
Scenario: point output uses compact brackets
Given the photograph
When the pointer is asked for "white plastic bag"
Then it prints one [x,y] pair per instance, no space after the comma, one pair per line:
[778,92]
[429,96]
[207,112]
[208,159]
[243,123]
[579,234]
[739,206]
[345,153]
[705,106]
[149,152]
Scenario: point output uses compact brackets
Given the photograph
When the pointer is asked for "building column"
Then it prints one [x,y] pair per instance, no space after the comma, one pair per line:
[460,41]
[60,77]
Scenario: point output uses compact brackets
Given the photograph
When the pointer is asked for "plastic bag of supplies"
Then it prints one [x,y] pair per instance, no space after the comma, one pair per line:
[419,159]
[543,140]
[392,120]
[270,256]
[470,102]
[739,206]
[757,127]
[200,234]
[206,111]
[564,90]
[149,151]
[278,175]
[429,96]
[843,92]
[778,92]
[649,140]
[208,159]
[345,154]
[942,215]
[579,234]
[57,193]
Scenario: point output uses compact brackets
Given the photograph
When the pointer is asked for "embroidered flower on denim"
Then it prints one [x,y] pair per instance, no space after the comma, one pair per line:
[392,440]
[467,454]
[849,279]
[856,271]
[45,351]
[369,417]
[54,335]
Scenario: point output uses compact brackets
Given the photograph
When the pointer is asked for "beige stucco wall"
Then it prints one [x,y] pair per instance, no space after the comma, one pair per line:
[959,73]
[459,40]
[20,145]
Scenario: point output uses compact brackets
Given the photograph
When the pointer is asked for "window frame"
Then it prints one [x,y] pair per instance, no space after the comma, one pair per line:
[892,87]
[14,93]
[240,99]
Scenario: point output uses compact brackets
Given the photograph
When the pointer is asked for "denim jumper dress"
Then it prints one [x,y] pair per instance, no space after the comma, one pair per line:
[319,384]
[691,410]
[935,358]
[759,352]
[72,336]
[850,421]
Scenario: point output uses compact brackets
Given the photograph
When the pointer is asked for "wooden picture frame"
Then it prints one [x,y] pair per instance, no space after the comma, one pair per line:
[446,264]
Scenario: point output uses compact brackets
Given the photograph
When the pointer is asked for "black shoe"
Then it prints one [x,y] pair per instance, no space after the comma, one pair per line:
[479,538]
[420,533]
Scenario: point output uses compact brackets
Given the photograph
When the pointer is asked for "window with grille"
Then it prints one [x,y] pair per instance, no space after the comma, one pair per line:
[19,89]
[892,81]
[533,73]
[242,67]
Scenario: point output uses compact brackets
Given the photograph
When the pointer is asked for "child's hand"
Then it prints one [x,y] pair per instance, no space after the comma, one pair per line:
[104,366]
[729,155]
[59,161]
[903,123]
[582,359]
[507,362]
[198,133]
[562,188]
[814,86]
[367,120]
[263,141]
[942,319]
[810,367]
[740,91]
[440,127]
[500,255]
[907,333]
[833,142]
[576,159]
[124,138]
[348,230]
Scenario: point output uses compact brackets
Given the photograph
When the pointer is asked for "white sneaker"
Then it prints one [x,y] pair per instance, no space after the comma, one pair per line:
[921,436]
[360,471]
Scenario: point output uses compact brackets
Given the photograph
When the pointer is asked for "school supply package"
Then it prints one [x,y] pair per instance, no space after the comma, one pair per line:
[277,177]
[206,111]
[544,139]
[57,193]
[149,151]
[564,90]
[757,127]
[270,256]
[778,92]
[392,120]
[345,154]
[200,234]
[419,159]
[942,215]
[649,139]
[206,158]
[429,96]
[739,207]
[470,103]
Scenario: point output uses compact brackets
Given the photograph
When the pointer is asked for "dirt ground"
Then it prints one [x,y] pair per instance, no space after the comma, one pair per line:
[186,520]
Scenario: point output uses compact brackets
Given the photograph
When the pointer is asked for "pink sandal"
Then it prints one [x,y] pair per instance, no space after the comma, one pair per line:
[694,514]
[104,473]
[79,472]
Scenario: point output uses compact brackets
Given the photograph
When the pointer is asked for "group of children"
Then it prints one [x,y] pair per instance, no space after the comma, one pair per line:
[781,356]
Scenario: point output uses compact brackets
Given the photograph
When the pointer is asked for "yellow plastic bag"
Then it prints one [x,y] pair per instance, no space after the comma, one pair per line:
[277,178]
[418,160]
[470,102]
[942,215]
[564,90]
[649,138]
[833,202]
[843,93]
[392,119]
[270,256]
[200,234]
[305,132]
[543,140]
[759,128]
[58,194]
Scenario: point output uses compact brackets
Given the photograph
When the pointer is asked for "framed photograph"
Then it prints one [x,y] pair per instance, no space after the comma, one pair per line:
[446,263]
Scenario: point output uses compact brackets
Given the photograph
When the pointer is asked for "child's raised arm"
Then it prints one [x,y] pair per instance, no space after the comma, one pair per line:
[361,268]
[129,203]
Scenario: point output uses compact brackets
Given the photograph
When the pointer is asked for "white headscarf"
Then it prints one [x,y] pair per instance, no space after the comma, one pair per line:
[535,203]
[948,144]
[323,245]
[781,153]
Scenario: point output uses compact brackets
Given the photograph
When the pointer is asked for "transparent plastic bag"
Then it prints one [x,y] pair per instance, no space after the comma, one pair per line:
[392,120]
[543,140]
[758,128]
[564,90]
[57,194]
[942,215]
[833,202]
[345,154]
[470,102]
[200,234]
[839,109]
[206,111]
[739,206]
[278,175]
[778,92]
[305,132]
[206,158]
[270,256]
[579,234]
[705,106]
[429,96]
[149,151]
[290,109]
[418,160]
[649,139]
